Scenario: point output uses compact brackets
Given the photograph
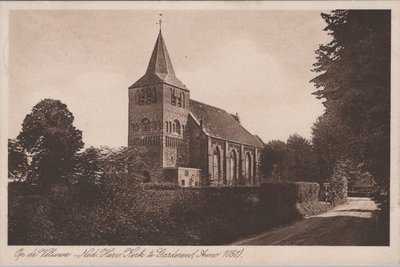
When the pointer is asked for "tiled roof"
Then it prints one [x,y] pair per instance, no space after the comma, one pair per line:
[220,124]
[160,68]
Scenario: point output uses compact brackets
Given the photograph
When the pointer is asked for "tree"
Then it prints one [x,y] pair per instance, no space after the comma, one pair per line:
[301,159]
[88,167]
[333,142]
[51,139]
[122,193]
[273,157]
[17,160]
[353,77]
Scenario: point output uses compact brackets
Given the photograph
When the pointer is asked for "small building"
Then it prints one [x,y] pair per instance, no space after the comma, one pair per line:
[184,141]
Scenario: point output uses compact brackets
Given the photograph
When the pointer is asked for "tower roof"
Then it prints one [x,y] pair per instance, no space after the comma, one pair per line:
[160,68]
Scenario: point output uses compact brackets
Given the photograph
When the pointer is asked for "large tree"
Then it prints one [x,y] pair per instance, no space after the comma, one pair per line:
[353,78]
[301,159]
[291,161]
[273,159]
[17,161]
[51,139]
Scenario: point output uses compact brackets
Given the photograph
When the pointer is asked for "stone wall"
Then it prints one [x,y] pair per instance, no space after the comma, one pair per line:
[198,149]
[149,140]
[175,155]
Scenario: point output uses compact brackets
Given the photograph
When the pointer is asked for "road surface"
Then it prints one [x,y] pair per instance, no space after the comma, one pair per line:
[352,223]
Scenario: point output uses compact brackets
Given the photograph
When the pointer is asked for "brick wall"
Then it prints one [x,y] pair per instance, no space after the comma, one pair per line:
[198,149]
[148,141]
[176,154]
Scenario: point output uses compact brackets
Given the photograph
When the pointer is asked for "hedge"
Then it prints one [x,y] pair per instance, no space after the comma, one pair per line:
[151,215]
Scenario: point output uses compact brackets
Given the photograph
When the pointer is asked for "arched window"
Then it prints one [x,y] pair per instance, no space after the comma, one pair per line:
[155,126]
[146,125]
[177,127]
[136,97]
[233,166]
[154,95]
[150,95]
[183,100]
[248,166]
[169,127]
[217,163]
[173,97]
[142,96]
[179,100]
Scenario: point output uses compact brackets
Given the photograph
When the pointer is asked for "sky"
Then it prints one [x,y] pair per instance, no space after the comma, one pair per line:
[255,63]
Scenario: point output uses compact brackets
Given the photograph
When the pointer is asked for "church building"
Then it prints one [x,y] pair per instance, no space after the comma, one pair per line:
[184,141]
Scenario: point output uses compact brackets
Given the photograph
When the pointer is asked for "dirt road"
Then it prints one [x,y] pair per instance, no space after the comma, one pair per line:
[352,223]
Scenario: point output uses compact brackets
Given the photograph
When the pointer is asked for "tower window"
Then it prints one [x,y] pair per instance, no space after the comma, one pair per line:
[146,125]
[177,127]
[173,98]
[141,96]
[154,95]
[151,95]
[136,97]
[179,100]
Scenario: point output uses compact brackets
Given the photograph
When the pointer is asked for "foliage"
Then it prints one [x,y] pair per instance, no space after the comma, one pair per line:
[51,139]
[164,186]
[131,215]
[273,156]
[342,173]
[88,166]
[301,159]
[291,161]
[17,161]
[307,192]
[353,78]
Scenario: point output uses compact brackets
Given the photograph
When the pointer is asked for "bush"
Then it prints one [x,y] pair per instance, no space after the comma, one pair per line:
[307,192]
[123,213]
[161,186]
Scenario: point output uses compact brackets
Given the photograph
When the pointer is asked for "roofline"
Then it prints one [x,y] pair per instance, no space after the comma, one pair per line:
[259,138]
[198,123]
[219,138]
[133,87]
[255,136]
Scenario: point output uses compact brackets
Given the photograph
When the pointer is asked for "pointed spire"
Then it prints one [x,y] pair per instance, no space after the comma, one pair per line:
[160,63]
[160,67]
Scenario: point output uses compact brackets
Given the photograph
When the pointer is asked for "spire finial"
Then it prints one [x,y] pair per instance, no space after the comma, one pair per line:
[159,21]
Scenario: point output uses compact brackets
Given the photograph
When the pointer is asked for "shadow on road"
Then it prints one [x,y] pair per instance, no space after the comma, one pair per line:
[354,223]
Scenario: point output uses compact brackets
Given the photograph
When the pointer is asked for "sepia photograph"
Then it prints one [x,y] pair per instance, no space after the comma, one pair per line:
[228,128]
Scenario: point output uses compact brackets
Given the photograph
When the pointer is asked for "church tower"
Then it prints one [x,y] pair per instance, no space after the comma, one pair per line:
[158,114]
